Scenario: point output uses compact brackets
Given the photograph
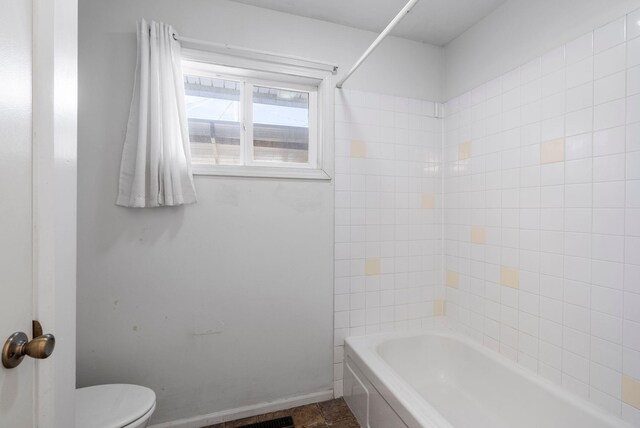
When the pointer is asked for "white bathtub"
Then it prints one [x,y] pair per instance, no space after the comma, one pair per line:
[441,379]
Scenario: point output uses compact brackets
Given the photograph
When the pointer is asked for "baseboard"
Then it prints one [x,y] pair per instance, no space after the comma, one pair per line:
[247,411]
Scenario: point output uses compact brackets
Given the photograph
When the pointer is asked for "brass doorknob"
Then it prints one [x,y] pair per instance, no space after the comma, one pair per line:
[18,345]
[40,347]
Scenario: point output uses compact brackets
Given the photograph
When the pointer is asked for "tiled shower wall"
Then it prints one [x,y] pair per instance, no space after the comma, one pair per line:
[542,215]
[388,216]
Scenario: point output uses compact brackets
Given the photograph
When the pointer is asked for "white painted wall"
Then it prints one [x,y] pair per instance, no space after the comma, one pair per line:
[251,262]
[519,31]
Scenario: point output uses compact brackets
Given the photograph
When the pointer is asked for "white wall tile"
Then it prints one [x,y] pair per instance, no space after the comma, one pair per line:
[577,74]
[633,109]
[632,250]
[633,194]
[632,278]
[633,80]
[578,146]
[605,401]
[579,48]
[608,221]
[606,380]
[609,168]
[575,366]
[633,53]
[607,274]
[607,248]
[578,195]
[567,222]
[578,220]
[633,24]
[577,342]
[579,171]
[632,168]
[609,194]
[609,115]
[631,362]
[606,327]
[609,141]
[607,300]
[579,122]
[579,97]
[610,88]
[631,337]
[606,353]
[633,137]
[609,35]
[632,307]
[383,280]
[632,225]
[610,61]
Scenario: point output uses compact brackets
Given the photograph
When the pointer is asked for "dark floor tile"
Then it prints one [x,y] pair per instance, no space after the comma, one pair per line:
[346,423]
[335,410]
[274,415]
[328,414]
[242,422]
[307,416]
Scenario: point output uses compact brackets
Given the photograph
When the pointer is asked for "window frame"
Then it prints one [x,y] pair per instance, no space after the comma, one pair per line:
[252,73]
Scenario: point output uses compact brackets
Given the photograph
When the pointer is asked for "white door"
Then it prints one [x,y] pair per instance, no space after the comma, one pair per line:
[16,267]
[38,81]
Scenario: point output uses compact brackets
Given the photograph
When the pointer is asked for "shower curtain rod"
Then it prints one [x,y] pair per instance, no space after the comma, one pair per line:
[270,56]
[405,10]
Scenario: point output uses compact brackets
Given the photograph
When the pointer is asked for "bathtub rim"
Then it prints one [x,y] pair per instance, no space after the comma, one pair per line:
[414,409]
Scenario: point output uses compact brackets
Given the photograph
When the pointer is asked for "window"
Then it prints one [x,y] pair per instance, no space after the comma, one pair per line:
[253,123]
[214,116]
[280,125]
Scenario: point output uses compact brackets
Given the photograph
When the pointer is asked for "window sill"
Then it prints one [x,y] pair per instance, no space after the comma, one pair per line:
[262,172]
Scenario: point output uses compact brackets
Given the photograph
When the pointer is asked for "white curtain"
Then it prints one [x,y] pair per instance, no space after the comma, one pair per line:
[156,159]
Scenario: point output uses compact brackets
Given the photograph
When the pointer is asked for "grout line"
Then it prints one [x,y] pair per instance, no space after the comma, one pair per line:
[624,220]
[441,285]
[593,131]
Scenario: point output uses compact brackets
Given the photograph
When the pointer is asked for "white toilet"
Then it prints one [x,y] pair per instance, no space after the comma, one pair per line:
[114,406]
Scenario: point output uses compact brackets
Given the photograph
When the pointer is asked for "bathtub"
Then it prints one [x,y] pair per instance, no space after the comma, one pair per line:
[440,379]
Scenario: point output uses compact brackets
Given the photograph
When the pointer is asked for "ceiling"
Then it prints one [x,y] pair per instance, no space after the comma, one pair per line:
[431,21]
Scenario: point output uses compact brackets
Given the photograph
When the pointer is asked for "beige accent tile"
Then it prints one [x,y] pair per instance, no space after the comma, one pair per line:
[452,279]
[464,150]
[438,308]
[631,391]
[428,200]
[510,277]
[552,151]
[372,267]
[478,235]
[358,149]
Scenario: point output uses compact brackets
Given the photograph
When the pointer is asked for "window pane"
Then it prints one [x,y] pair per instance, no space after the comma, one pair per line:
[280,125]
[213,113]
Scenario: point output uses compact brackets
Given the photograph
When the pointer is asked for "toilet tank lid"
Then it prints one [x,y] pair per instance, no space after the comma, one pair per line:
[112,406]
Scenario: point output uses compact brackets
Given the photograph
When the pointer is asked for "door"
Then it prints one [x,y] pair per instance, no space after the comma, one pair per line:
[38,81]
[16,262]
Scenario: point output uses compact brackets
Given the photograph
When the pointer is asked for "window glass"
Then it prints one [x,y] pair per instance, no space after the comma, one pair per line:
[280,125]
[214,116]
